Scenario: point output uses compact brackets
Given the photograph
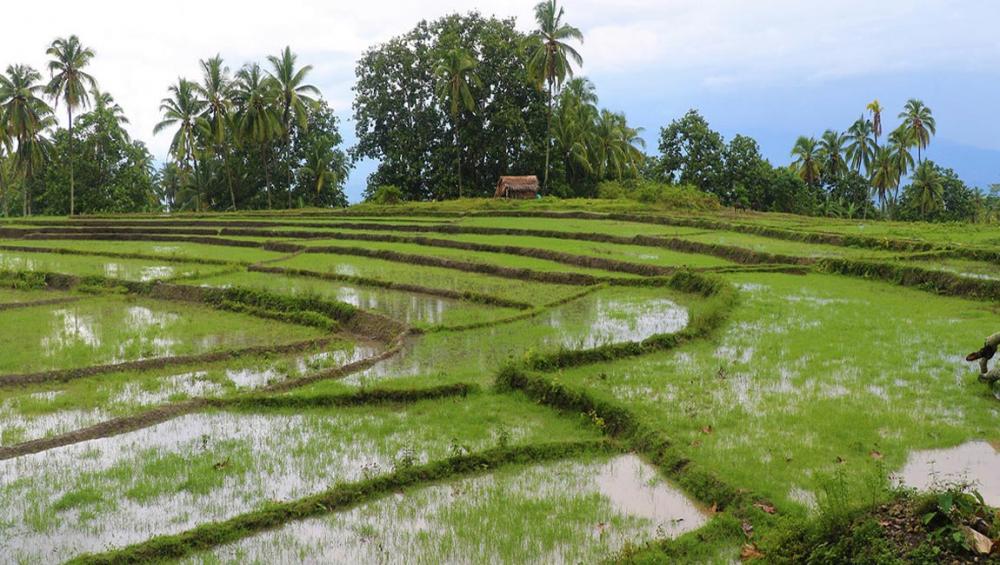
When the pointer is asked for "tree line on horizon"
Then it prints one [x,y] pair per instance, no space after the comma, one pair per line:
[445,109]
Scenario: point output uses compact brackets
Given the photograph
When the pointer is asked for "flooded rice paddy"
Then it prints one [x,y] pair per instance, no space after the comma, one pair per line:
[109,330]
[203,467]
[567,512]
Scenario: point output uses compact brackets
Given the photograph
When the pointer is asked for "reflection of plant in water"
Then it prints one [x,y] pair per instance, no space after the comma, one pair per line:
[456,449]
[369,469]
[503,437]
[406,459]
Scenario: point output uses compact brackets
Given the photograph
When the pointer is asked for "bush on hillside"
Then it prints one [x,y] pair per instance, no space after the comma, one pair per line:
[386,194]
[685,197]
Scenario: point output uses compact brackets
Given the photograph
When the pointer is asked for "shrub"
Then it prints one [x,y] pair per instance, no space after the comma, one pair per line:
[685,197]
[386,194]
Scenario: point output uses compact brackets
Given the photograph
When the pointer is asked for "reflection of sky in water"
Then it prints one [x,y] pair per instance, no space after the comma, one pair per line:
[401,306]
[70,328]
[976,462]
[588,322]
[595,320]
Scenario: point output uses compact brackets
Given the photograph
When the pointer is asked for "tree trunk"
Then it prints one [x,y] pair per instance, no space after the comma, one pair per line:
[267,176]
[288,176]
[72,190]
[229,176]
[458,157]
[548,141]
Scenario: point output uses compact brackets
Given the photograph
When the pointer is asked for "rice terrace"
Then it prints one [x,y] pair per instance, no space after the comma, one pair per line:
[412,292]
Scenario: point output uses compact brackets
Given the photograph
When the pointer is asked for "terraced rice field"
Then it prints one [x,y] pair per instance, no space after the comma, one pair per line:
[480,387]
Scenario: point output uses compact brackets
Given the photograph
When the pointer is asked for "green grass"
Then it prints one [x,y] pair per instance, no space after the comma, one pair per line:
[115,329]
[489,258]
[175,251]
[811,371]
[814,385]
[552,512]
[605,316]
[41,410]
[127,269]
[216,465]
[417,310]
[433,277]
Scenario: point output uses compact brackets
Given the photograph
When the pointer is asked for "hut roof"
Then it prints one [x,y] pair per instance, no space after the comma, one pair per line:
[517,184]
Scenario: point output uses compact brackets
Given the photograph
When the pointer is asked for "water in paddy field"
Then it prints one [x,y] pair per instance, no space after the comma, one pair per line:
[595,320]
[593,509]
[590,321]
[976,463]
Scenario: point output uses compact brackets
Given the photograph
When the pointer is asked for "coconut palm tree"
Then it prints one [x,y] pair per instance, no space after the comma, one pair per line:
[321,169]
[24,116]
[216,90]
[183,110]
[808,159]
[928,187]
[294,98]
[831,154]
[456,75]
[257,120]
[549,62]
[917,118]
[69,83]
[876,109]
[105,105]
[861,145]
[884,175]
[900,141]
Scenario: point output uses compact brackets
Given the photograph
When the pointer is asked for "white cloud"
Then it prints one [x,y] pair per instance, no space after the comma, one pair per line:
[142,47]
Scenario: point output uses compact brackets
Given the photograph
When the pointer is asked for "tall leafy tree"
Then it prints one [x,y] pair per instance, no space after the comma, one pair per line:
[216,90]
[692,153]
[105,105]
[70,83]
[861,145]
[551,57]
[900,142]
[885,175]
[257,122]
[184,110]
[808,160]
[25,116]
[876,110]
[919,122]
[928,188]
[294,97]
[456,75]
[831,153]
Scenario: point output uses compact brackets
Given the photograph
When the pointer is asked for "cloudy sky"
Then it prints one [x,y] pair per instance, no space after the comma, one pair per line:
[772,69]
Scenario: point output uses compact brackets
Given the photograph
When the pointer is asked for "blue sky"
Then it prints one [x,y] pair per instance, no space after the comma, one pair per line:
[771,69]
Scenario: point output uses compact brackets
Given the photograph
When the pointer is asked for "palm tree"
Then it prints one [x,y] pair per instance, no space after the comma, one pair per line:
[900,141]
[184,110]
[884,174]
[861,145]
[928,187]
[456,76]
[321,169]
[25,115]
[294,97]
[257,122]
[831,153]
[616,146]
[216,90]
[876,109]
[69,83]
[807,159]
[920,123]
[549,62]
[105,105]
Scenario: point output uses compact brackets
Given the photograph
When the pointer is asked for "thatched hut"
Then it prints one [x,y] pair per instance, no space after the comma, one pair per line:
[517,187]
